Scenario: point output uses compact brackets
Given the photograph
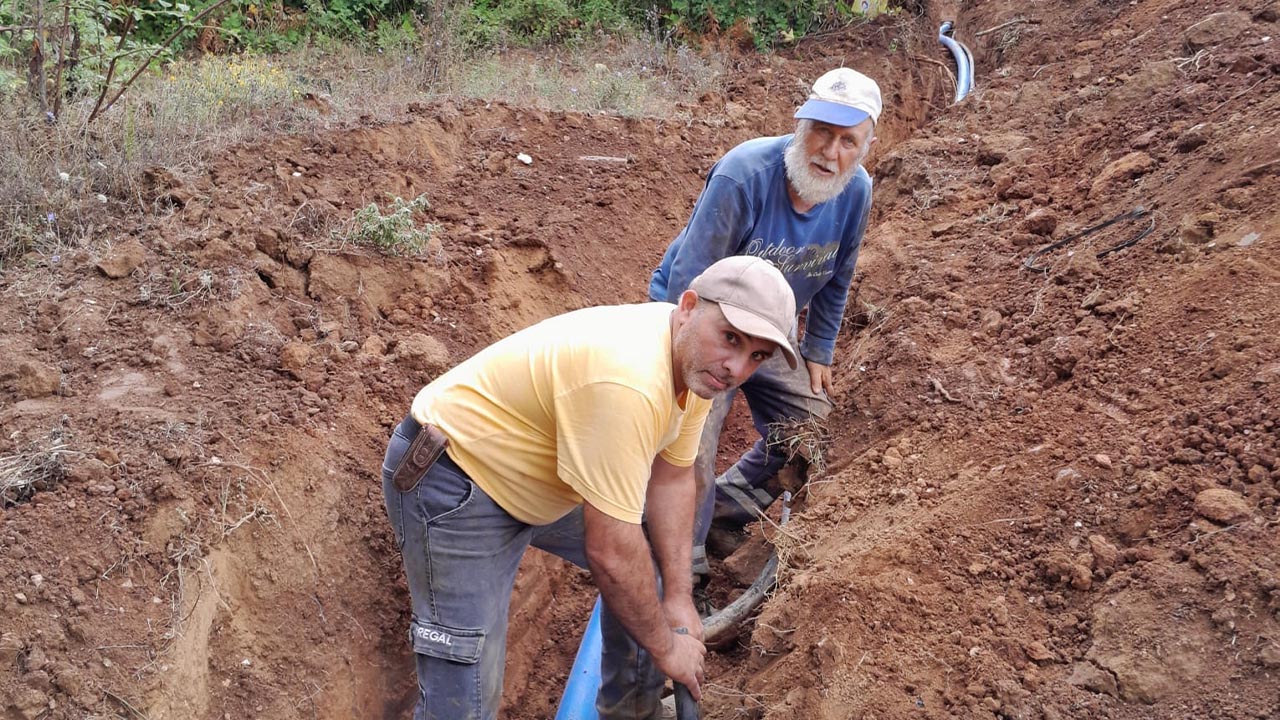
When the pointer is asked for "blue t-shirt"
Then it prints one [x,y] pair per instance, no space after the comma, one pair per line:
[745,210]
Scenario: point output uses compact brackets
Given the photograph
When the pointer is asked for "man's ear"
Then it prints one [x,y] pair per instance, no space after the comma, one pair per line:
[688,300]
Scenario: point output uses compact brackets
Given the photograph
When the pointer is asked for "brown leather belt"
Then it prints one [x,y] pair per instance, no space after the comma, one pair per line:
[424,450]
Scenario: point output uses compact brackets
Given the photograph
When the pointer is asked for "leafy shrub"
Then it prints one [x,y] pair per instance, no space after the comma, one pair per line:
[769,21]
[395,233]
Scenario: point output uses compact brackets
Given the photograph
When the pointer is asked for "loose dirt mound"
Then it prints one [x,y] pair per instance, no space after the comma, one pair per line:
[1050,495]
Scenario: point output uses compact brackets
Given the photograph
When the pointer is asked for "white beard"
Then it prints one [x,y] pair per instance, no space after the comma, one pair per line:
[811,187]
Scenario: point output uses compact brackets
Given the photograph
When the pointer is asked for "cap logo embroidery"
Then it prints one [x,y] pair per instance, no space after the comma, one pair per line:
[838,86]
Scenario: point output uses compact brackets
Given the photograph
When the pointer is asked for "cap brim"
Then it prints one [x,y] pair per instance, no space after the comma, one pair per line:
[755,326]
[832,113]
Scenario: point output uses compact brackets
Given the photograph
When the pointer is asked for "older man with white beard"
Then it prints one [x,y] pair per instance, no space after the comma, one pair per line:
[802,202]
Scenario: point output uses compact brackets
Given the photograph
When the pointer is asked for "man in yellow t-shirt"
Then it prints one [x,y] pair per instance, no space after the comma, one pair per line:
[566,435]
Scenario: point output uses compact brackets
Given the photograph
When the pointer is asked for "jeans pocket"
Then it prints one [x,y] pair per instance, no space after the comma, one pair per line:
[442,493]
[392,498]
[459,645]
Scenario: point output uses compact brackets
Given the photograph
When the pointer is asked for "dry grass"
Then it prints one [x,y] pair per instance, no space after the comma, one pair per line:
[39,466]
[631,78]
[62,182]
[803,439]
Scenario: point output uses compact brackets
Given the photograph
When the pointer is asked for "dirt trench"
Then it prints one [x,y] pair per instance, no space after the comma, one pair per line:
[1048,495]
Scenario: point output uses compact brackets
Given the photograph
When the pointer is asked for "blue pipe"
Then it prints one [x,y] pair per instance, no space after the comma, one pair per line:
[964,59]
[579,699]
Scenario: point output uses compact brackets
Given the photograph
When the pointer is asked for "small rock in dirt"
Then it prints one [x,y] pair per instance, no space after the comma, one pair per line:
[991,321]
[736,112]
[892,458]
[1216,29]
[1102,460]
[1222,505]
[423,352]
[1129,167]
[1267,375]
[1065,353]
[915,305]
[942,228]
[1082,265]
[28,703]
[993,149]
[1152,78]
[1143,141]
[1270,656]
[745,562]
[1188,456]
[294,356]
[1022,239]
[1192,138]
[1091,677]
[37,380]
[1105,555]
[1041,221]
[1128,305]
[496,163]
[1081,577]
[88,471]
[374,345]
[122,259]
[1037,652]
[1198,228]
[1258,474]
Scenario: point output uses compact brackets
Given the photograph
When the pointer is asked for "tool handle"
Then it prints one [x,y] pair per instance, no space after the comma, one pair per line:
[686,706]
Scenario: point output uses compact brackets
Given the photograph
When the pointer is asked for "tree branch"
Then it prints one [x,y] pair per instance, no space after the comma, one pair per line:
[143,67]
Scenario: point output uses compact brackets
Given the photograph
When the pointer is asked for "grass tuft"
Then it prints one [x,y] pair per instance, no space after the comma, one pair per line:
[40,466]
[803,439]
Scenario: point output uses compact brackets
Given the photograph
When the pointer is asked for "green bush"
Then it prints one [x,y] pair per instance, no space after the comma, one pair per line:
[770,22]
[395,233]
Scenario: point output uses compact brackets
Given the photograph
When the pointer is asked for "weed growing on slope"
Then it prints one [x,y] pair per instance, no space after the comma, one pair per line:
[395,232]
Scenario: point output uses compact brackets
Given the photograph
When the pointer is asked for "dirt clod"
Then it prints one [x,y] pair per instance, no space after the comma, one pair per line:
[1216,28]
[1093,678]
[122,259]
[1222,506]
[422,352]
[37,380]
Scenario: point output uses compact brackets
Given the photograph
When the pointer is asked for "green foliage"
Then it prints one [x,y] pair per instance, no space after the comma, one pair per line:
[395,233]
[770,22]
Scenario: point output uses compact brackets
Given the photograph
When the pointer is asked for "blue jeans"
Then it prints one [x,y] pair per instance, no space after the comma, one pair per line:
[776,394]
[461,551]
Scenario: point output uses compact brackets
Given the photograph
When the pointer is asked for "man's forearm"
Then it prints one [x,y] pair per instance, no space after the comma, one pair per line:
[622,569]
[671,530]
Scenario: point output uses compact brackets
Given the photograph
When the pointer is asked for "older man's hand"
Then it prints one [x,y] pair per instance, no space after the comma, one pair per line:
[819,378]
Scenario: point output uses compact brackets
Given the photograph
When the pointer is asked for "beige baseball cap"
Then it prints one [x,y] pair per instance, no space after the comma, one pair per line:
[754,296]
[843,97]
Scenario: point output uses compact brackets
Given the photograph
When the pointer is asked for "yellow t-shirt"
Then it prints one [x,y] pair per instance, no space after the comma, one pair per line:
[576,407]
